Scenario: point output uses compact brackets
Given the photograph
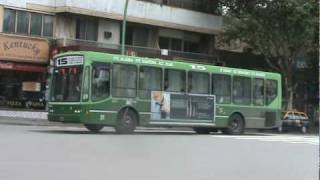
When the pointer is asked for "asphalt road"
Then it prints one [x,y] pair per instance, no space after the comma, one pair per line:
[67,153]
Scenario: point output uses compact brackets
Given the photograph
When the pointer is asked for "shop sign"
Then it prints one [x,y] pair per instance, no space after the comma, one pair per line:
[24,49]
[31,86]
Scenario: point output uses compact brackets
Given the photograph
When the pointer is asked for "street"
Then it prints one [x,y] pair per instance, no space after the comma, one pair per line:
[58,153]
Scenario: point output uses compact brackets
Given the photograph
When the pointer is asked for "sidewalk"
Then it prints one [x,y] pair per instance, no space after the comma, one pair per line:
[33,118]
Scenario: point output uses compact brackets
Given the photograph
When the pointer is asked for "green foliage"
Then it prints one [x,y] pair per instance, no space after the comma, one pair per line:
[280,30]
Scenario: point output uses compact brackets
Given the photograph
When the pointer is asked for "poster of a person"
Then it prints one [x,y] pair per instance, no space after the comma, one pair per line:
[160,105]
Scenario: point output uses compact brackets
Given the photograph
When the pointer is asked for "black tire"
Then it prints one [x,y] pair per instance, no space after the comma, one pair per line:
[94,127]
[202,130]
[235,126]
[127,122]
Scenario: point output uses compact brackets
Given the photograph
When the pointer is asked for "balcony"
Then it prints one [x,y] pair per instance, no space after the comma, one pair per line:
[205,6]
[64,45]
[176,14]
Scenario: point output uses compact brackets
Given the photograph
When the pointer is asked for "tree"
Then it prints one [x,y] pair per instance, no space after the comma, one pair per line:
[280,30]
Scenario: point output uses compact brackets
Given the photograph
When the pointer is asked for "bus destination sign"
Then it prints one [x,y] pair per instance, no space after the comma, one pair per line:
[69,61]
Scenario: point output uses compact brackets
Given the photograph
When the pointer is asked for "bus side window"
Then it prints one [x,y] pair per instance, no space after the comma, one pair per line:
[221,88]
[124,80]
[258,92]
[175,80]
[241,92]
[271,91]
[100,88]
[150,79]
[198,82]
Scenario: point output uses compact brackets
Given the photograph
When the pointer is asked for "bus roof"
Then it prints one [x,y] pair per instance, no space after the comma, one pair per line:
[176,64]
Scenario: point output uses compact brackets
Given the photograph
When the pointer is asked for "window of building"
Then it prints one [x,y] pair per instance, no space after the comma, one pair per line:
[176,44]
[150,79]
[175,80]
[26,23]
[47,26]
[124,80]
[100,81]
[164,43]
[258,92]
[170,43]
[221,88]
[241,90]
[86,29]
[36,24]
[9,20]
[23,22]
[198,83]
[191,47]
[271,91]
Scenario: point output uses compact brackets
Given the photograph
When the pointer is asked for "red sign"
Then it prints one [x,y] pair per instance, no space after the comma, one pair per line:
[22,67]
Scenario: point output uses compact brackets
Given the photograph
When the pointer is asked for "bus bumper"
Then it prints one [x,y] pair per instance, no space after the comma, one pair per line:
[65,118]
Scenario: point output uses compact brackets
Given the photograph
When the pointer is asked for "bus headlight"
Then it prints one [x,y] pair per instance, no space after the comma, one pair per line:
[77,111]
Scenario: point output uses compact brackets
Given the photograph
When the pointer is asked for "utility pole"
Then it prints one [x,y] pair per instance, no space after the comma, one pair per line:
[124,23]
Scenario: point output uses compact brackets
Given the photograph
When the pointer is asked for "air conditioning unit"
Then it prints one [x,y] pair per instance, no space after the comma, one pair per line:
[107,34]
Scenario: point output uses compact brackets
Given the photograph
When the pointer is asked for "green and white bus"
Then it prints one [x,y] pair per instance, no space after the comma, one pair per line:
[100,89]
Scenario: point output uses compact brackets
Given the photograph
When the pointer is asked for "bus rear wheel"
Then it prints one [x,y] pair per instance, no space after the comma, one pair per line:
[127,122]
[235,125]
[94,127]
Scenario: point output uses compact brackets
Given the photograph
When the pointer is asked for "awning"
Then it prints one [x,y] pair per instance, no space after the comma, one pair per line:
[22,67]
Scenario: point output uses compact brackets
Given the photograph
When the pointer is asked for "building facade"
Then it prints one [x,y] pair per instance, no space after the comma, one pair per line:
[33,31]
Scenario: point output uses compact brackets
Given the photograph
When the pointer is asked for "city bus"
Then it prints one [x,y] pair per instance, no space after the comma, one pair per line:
[100,89]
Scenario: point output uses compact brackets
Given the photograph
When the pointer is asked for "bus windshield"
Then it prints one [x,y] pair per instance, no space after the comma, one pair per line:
[66,84]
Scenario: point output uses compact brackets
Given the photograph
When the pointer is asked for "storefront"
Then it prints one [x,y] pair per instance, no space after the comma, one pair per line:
[23,72]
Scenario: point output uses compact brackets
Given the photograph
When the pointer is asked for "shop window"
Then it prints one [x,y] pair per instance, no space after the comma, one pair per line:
[198,83]
[47,26]
[100,81]
[124,80]
[175,81]
[36,24]
[241,90]
[150,79]
[221,88]
[258,92]
[23,22]
[271,91]
[9,20]
[86,29]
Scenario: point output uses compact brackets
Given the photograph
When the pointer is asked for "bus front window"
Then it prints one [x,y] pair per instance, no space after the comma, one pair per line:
[67,84]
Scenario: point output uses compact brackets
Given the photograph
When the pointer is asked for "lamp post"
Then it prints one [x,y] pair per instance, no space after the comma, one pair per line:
[124,23]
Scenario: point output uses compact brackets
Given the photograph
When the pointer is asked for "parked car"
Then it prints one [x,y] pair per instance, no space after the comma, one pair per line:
[293,120]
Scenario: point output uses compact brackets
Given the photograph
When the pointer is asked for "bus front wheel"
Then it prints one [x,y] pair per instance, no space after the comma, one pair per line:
[127,122]
[235,126]
[94,127]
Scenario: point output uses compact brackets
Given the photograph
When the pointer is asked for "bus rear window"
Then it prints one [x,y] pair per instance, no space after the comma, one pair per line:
[271,91]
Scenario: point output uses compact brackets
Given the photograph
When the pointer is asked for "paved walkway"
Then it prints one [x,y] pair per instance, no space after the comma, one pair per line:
[24,117]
